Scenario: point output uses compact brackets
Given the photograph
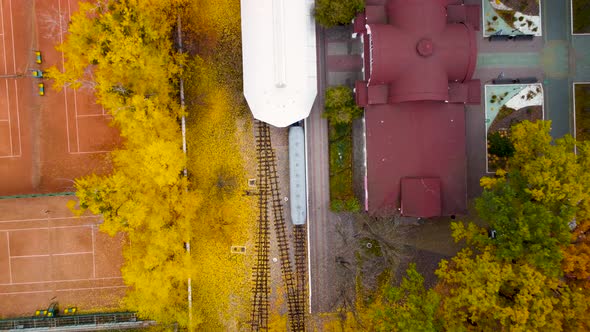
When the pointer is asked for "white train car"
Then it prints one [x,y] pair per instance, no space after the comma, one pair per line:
[298,190]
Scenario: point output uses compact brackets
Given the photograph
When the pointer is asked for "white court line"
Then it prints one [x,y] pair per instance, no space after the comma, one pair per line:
[9,122]
[42,228]
[20,147]
[76,117]
[49,255]
[90,115]
[89,152]
[3,39]
[15,82]
[2,14]
[7,91]
[76,110]
[12,34]
[9,263]
[58,281]
[75,96]
[47,219]
[93,253]
[63,290]
[63,66]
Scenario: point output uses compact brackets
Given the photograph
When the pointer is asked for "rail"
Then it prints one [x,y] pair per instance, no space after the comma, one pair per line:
[269,197]
[63,321]
[261,271]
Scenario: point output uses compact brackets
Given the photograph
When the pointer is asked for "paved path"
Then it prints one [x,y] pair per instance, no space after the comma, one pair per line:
[507,60]
[318,189]
[319,197]
[339,63]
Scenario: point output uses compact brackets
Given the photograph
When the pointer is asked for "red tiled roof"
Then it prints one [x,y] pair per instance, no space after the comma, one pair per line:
[418,65]
[417,139]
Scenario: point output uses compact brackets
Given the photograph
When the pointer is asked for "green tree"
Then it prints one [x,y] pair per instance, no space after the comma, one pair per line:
[409,307]
[550,171]
[500,146]
[340,107]
[330,13]
[525,230]
[581,17]
[514,280]
[531,203]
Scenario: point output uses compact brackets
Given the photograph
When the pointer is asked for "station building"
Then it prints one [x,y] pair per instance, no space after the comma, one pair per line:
[419,58]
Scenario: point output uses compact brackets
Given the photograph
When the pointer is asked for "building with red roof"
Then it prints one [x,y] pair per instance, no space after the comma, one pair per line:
[419,58]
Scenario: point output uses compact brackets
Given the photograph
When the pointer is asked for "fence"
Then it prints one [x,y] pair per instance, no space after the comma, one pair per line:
[102,319]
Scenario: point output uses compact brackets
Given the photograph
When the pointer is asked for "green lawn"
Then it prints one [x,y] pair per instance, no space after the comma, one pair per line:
[582,92]
[581,11]
[341,191]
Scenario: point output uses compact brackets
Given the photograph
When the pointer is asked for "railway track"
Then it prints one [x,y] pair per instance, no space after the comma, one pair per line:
[261,271]
[269,197]
[300,235]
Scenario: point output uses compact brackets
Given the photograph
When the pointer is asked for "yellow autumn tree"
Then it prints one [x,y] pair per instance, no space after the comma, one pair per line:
[576,262]
[123,48]
[481,293]
[123,51]
[146,198]
[550,171]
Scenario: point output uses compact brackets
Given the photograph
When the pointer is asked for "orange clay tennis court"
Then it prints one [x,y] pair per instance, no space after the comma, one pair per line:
[48,255]
[45,141]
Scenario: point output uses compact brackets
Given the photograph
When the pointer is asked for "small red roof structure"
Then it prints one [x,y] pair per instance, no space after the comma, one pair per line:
[421,197]
[419,57]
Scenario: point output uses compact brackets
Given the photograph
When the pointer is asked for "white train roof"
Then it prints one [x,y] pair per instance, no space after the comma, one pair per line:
[279,59]
[297,180]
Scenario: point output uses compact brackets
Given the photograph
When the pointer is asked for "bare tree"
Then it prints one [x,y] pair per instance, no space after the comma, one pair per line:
[388,232]
[56,23]
[366,246]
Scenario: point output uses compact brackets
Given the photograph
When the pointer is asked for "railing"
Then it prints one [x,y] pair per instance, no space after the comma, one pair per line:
[74,320]
[67,193]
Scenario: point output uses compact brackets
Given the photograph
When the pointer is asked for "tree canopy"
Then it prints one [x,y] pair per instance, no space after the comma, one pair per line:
[340,107]
[483,293]
[576,262]
[407,307]
[122,51]
[514,279]
[330,13]
[532,203]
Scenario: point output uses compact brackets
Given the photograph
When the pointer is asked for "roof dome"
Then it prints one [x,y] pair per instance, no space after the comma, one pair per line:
[417,58]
